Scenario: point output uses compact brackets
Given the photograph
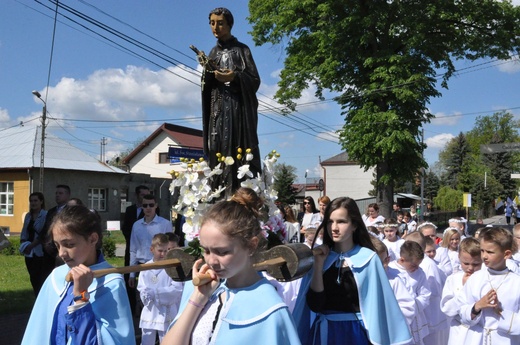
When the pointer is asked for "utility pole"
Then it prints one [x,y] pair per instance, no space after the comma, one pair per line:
[42,145]
[102,153]
[421,216]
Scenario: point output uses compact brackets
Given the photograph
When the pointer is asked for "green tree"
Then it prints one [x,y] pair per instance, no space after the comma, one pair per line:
[448,199]
[383,58]
[456,156]
[285,175]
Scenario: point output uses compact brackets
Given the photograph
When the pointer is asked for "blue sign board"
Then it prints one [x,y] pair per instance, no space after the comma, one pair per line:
[174,153]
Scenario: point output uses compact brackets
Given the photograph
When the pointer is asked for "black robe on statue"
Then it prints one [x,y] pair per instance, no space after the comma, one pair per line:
[230,110]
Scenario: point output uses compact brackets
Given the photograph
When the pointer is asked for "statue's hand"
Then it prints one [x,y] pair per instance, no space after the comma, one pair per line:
[225,75]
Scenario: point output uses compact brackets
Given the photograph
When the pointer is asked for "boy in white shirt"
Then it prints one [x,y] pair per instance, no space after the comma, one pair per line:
[404,298]
[161,295]
[470,262]
[490,302]
[411,256]
[437,321]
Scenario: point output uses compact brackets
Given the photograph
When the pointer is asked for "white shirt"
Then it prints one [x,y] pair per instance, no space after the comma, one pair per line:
[141,238]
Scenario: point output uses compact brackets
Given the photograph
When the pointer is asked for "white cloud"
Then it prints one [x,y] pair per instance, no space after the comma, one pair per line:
[441,119]
[117,94]
[4,115]
[510,66]
[439,140]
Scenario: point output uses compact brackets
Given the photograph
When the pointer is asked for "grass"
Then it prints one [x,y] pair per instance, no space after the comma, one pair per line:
[16,294]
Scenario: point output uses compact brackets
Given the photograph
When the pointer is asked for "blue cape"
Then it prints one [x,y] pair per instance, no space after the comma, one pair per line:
[108,299]
[253,314]
[379,309]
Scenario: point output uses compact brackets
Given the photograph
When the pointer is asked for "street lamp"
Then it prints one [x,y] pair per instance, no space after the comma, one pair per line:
[42,146]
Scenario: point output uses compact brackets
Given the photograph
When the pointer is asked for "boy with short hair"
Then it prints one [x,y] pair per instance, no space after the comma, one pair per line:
[470,262]
[437,321]
[408,265]
[404,298]
[490,302]
[173,240]
[161,296]
[310,233]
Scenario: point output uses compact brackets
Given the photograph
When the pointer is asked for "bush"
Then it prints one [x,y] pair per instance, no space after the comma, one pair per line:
[109,247]
[13,249]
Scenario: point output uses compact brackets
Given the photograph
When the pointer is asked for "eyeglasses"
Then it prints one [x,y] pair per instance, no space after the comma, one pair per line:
[306,203]
[148,205]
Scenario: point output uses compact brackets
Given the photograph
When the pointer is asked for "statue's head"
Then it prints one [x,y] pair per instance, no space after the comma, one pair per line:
[226,13]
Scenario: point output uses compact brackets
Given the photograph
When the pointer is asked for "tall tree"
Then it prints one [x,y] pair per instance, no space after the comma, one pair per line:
[457,154]
[383,58]
[285,175]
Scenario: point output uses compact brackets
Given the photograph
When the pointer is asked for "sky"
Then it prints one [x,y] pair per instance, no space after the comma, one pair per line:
[99,88]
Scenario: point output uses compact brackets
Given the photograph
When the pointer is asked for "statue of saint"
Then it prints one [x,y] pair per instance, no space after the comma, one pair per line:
[229,104]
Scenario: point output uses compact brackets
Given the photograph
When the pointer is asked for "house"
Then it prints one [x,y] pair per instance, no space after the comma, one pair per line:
[100,186]
[151,156]
[345,177]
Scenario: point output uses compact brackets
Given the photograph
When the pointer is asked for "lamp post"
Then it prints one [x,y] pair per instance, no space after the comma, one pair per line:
[42,146]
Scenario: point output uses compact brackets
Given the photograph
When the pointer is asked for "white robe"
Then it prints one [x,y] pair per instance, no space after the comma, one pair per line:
[394,248]
[404,298]
[417,286]
[488,327]
[161,297]
[449,306]
[442,259]
[437,320]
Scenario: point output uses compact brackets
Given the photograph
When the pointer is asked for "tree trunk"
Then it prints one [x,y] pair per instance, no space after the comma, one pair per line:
[385,192]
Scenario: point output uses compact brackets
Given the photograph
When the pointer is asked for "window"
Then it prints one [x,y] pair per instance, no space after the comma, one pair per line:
[6,198]
[97,199]
[163,158]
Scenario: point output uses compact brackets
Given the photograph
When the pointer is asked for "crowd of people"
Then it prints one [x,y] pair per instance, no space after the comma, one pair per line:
[371,283]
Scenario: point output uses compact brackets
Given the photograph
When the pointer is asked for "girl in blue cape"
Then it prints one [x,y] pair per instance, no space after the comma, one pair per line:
[346,298]
[238,306]
[86,310]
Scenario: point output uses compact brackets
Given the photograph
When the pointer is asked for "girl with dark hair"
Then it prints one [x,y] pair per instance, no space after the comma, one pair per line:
[310,215]
[237,306]
[84,310]
[347,291]
[31,240]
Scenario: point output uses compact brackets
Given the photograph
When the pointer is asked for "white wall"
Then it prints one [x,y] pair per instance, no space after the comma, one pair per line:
[146,161]
[347,180]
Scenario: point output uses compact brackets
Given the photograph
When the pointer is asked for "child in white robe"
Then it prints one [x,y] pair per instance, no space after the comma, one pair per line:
[490,302]
[451,241]
[404,298]
[160,295]
[437,321]
[411,256]
[440,255]
[392,241]
[470,262]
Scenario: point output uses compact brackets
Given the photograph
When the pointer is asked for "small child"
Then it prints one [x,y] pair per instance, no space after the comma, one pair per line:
[470,262]
[459,223]
[173,240]
[490,302]
[429,230]
[161,296]
[411,256]
[451,241]
[404,298]
[310,233]
[431,248]
[392,241]
[437,321]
